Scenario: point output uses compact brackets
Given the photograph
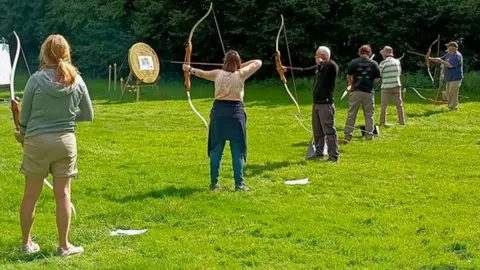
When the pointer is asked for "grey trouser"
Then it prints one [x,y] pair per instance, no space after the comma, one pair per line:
[367,101]
[396,94]
[323,123]
[452,90]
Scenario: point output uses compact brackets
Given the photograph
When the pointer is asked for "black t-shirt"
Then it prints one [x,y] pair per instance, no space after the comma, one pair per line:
[323,81]
[364,72]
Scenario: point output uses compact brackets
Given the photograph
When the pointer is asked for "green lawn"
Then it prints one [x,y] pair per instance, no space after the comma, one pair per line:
[407,200]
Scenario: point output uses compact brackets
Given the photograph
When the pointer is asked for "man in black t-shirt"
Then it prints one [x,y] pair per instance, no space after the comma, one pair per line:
[361,75]
[323,111]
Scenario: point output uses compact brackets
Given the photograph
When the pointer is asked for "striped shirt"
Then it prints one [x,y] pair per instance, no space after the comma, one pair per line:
[390,70]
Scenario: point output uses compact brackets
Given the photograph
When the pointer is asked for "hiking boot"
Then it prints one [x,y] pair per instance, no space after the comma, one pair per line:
[242,188]
[72,250]
[214,187]
[31,248]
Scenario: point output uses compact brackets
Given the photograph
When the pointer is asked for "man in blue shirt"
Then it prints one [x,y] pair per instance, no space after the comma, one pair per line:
[453,73]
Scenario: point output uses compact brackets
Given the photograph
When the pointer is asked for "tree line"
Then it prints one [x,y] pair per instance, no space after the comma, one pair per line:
[101,31]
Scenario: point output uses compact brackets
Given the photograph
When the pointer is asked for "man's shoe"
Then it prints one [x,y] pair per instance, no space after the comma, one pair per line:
[242,188]
[332,160]
[315,157]
[214,187]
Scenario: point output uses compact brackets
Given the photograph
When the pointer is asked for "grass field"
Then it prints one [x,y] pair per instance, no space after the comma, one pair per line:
[407,200]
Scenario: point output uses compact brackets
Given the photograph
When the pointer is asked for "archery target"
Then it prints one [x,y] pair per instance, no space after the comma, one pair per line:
[5,65]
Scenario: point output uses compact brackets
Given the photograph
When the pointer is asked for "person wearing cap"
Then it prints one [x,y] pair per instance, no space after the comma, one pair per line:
[362,73]
[323,110]
[390,71]
[453,73]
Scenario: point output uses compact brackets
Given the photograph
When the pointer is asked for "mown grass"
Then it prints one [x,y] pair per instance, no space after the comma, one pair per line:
[408,199]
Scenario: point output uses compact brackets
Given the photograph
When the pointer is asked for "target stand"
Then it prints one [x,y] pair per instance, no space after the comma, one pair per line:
[144,66]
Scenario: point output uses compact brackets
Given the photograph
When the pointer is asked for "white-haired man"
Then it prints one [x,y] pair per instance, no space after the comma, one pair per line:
[323,111]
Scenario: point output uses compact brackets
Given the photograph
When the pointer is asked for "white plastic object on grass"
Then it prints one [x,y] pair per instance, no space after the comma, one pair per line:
[297,182]
[127,232]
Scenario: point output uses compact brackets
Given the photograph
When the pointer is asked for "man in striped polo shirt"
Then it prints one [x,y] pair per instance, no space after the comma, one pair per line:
[390,70]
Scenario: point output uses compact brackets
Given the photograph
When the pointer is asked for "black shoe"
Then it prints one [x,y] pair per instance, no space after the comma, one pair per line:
[315,157]
[332,160]
[214,187]
[242,188]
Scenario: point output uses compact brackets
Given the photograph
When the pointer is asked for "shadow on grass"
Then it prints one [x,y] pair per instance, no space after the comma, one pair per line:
[20,258]
[159,194]
[258,169]
[426,113]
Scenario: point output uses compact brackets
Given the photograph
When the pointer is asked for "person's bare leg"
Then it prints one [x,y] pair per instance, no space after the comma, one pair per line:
[33,189]
[61,188]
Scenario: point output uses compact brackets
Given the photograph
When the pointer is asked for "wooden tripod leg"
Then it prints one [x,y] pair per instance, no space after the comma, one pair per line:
[126,84]
[138,92]
[158,88]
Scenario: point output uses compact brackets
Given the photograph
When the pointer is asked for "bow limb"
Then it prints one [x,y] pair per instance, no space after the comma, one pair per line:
[278,56]
[187,60]
[280,69]
[74,211]
[418,93]
[427,60]
[14,102]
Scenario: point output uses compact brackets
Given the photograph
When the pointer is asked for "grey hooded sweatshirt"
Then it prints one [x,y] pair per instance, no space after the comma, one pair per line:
[50,107]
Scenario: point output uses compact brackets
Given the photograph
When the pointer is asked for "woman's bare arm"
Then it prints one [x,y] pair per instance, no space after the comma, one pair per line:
[249,68]
[210,75]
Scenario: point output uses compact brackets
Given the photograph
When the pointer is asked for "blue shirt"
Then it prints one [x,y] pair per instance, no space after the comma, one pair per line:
[455,73]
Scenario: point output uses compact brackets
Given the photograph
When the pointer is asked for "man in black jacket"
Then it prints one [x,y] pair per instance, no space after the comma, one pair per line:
[323,111]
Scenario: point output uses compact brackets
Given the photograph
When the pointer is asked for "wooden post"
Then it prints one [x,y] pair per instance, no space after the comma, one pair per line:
[109,77]
[121,83]
[115,77]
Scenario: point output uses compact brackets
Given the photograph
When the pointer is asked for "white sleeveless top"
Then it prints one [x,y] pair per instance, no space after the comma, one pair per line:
[229,86]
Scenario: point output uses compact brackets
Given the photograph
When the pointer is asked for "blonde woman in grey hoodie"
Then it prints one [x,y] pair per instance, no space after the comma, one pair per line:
[55,98]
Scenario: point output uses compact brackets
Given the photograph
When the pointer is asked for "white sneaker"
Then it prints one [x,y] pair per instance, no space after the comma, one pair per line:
[72,250]
[30,248]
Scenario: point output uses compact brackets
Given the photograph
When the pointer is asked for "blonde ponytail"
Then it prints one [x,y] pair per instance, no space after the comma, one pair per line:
[67,73]
[55,52]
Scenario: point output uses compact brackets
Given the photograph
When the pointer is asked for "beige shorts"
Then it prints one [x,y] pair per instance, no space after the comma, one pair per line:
[54,153]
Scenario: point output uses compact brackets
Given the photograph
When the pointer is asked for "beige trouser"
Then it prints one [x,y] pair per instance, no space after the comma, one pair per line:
[452,90]
[387,95]
[50,153]
[357,99]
